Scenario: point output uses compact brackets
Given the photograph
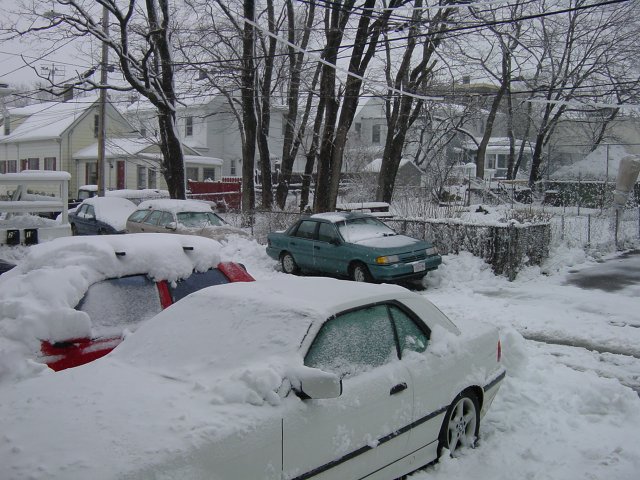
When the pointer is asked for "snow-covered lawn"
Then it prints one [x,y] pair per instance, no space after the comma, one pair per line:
[563,412]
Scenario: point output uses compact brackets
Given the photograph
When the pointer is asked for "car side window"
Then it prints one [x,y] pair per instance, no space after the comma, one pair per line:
[306,229]
[327,233]
[138,216]
[81,211]
[354,342]
[90,212]
[410,335]
[165,219]
[196,281]
[153,218]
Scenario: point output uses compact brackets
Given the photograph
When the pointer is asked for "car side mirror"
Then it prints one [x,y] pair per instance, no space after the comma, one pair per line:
[171,226]
[316,384]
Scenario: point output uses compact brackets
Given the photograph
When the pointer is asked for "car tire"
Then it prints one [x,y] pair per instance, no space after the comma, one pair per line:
[74,229]
[289,265]
[461,426]
[360,273]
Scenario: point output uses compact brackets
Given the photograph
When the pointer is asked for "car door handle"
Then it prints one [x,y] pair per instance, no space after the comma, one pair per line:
[398,388]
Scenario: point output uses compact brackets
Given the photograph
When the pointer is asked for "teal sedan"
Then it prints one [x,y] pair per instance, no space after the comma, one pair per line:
[355,245]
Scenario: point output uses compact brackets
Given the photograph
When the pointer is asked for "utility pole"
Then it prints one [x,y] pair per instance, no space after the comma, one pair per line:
[102,130]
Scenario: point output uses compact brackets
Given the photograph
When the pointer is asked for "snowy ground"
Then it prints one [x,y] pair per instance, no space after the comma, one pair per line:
[564,412]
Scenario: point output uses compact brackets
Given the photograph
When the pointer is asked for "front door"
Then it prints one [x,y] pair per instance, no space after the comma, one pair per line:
[366,428]
[120,179]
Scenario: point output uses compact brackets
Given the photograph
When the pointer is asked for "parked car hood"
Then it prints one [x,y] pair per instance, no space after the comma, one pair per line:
[400,243]
[216,232]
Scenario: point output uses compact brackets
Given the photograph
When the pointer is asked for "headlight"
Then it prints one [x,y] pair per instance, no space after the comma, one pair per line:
[432,251]
[388,259]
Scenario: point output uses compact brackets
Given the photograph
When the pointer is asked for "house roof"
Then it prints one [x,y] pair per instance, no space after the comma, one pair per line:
[115,147]
[595,166]
[496,144]
[47,120]
[374,165]
[135,147]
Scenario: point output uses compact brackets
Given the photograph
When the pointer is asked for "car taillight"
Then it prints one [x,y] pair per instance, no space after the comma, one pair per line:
[499,351]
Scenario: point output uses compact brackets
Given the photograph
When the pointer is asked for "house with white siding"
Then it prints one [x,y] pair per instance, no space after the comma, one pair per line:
[209,126]
[45,136]
[62,136]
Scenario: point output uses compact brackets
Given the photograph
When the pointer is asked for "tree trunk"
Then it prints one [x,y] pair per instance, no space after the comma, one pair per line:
[171,148]
[248,110]
[291,141]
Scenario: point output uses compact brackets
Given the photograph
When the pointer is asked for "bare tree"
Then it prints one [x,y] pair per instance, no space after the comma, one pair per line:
[425,35]
[571,52]
[369,28]
[294,131]
[140,38]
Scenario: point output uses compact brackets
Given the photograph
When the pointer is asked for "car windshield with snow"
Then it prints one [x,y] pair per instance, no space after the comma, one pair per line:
[190,217]
[354,245]
[361,381]
[102,288]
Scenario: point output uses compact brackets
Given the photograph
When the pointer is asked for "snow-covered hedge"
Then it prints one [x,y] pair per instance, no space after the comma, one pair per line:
[507,247]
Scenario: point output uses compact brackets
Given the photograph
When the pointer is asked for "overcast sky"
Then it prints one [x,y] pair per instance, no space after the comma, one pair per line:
[14,53]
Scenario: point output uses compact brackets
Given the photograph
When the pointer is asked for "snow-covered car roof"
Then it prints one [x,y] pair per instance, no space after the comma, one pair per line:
[39,296]
[175,206]
[336,217]
[275,316]
[113,211]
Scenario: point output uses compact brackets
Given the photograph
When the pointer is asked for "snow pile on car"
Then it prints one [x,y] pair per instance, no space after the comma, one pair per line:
[37,298]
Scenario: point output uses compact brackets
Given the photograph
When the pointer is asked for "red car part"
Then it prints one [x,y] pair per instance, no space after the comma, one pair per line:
[73,353]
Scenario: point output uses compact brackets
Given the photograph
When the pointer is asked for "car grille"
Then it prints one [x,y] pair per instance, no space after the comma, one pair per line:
[413,256]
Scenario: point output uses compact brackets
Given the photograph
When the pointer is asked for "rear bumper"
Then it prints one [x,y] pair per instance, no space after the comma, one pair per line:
[405,271]
[274,252]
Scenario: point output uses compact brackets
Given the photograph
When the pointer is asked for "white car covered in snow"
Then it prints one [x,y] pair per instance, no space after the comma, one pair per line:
[292,378]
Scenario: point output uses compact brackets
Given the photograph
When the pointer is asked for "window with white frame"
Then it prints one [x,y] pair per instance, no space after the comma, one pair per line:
[12,166]
[49,163]
[91,173]
[141,177]
[3,166]
[375,134]
[232,168]
[192,173]
[153,183]
[209,174]
[188,127]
